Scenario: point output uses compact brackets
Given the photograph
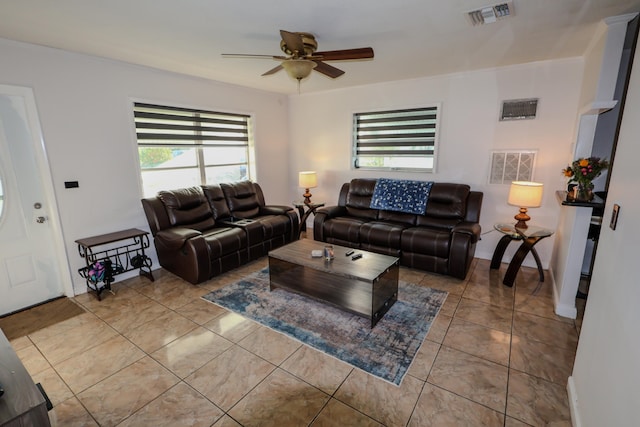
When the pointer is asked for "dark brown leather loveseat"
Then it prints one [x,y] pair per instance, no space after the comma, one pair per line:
[200,232]
[442,240]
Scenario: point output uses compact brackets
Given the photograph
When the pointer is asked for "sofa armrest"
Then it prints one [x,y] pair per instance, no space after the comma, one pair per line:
[185,253]
[275,210]
[471,228]
[329,212]
[174,238]
[463,246]
[323,214]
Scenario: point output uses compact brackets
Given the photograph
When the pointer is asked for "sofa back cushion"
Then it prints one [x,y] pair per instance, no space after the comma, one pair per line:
[217,201]
[242,199]
[358,199]
[187,207]
[397,217]
[447,205]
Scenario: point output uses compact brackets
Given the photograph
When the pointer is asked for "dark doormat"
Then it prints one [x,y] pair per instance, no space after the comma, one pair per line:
[32,319]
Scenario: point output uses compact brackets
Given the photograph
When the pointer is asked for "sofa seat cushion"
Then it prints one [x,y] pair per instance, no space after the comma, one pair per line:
[274,225]
[427,241]
[385,234]
[344,228]
[224,240]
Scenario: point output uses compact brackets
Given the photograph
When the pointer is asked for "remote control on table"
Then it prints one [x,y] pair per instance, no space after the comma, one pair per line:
[349,253]
[1,390]
[356,256]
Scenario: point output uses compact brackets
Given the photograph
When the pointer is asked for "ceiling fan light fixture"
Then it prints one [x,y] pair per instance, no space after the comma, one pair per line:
[298,68]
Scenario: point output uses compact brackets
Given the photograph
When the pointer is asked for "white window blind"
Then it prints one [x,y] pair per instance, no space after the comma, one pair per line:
[181,147]
[396,139]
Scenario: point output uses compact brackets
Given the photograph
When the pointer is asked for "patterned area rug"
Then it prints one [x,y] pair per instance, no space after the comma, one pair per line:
[385,351]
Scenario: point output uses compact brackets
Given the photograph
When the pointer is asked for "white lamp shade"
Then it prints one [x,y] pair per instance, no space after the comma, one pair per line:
[525,194]
[307,179]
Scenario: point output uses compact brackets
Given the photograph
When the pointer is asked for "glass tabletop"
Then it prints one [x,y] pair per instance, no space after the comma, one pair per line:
[520,233]
[301,204]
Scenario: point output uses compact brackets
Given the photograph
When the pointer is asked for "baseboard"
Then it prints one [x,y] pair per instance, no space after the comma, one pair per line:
[565,310]
[573,403]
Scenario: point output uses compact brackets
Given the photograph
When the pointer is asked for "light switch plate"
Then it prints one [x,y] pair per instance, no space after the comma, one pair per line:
[614,216]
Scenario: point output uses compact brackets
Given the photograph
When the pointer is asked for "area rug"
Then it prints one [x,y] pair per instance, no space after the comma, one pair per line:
[33,319]
[385,351]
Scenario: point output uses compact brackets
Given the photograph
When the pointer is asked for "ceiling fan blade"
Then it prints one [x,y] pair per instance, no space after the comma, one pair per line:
[293,41]
[328,70]
[345,54]
[249,55]
[273,70]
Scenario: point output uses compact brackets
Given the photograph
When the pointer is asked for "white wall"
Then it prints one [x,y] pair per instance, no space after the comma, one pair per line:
[604,387]
[321,129]
[85,108]
[593,66]
[84,104]
[571,238]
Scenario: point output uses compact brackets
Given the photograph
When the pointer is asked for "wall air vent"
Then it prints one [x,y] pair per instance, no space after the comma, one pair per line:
[490,14]
[519,109]
[512,165]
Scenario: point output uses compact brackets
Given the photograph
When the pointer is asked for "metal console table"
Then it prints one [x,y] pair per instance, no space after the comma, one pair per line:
[111,254]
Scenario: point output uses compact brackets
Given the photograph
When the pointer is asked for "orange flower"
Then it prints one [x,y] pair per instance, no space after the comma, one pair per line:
[585,170]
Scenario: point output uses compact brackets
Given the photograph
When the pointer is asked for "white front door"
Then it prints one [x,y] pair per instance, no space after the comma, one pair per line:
[32,266]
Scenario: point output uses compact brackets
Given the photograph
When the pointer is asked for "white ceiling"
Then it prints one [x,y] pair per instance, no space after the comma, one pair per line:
[411,38]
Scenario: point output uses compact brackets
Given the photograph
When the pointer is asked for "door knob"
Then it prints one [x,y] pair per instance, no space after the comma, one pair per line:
[40,219]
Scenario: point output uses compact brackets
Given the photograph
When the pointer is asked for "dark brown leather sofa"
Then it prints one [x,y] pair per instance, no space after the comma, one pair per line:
[200,232]
[443,240]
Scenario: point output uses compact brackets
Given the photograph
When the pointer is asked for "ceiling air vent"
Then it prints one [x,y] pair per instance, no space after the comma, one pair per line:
[490,14]
[519,109]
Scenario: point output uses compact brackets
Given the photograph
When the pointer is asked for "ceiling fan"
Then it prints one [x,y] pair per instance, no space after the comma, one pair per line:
[302,57]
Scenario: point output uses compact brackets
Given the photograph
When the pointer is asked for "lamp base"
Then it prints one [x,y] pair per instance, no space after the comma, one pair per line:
[307,196]
[522,218]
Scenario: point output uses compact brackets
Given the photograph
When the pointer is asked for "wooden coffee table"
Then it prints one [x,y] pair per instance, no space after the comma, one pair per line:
[367,286]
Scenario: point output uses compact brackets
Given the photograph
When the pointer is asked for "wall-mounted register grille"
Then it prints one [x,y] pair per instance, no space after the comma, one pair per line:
[512,165]
[490,14]
[519,109]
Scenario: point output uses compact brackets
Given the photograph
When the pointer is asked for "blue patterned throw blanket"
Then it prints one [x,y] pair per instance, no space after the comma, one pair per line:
[401,195]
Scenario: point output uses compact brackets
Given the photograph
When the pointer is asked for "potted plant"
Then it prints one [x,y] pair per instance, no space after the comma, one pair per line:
[582,172]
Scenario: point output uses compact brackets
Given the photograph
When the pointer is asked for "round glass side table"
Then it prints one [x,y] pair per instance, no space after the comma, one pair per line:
[304,213]
[529,237]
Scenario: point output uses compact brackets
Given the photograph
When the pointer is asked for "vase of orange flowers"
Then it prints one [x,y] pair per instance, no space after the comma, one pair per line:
[582,172]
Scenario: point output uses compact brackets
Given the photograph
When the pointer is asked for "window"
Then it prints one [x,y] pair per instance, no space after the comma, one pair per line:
[181,147]
[396,140]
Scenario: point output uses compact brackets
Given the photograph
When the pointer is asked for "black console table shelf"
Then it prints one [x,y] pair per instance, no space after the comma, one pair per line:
[118,252]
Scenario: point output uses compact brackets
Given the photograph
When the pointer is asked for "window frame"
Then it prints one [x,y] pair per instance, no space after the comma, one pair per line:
[355,154]
[199,144]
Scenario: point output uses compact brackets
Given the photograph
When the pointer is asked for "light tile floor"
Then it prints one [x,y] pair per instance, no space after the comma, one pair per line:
[156,354]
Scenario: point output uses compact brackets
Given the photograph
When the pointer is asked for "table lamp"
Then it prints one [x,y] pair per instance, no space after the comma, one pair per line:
[307,180]
[525,194]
